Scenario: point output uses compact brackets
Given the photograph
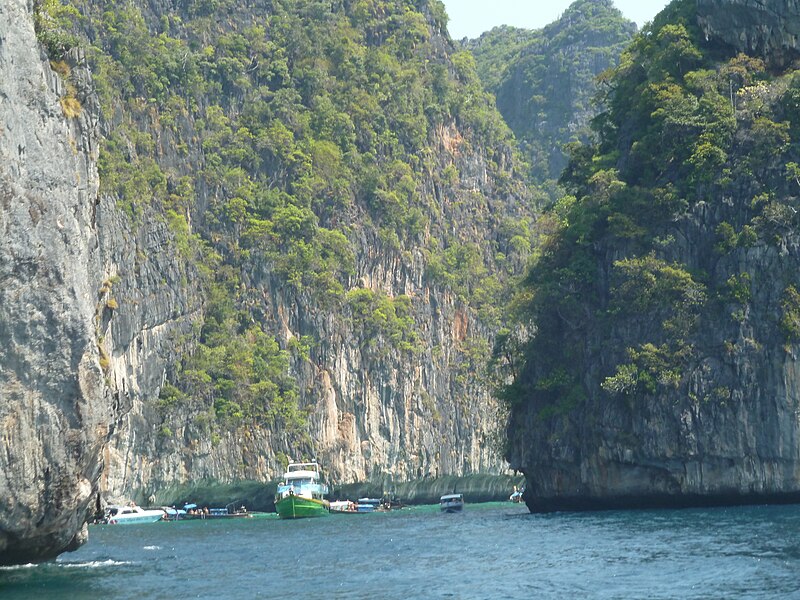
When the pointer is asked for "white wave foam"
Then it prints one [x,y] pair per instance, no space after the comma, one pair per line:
[18,567]
[94,564]
[152,548]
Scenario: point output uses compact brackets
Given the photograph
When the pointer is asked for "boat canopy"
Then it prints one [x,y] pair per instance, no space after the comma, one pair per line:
[451,497]
[301,475]
[302,479]
[172,512]
[307,466]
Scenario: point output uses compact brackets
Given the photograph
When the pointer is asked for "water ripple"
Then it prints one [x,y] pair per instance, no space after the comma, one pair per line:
[489,551]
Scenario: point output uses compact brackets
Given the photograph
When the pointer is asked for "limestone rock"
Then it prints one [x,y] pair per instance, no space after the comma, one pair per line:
[769,29]
[54,407]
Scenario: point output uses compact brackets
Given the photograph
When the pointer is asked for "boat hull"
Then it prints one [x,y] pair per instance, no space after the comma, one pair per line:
[136,519]
[297,507]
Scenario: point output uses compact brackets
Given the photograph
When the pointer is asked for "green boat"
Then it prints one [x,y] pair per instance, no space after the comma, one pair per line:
[301,494]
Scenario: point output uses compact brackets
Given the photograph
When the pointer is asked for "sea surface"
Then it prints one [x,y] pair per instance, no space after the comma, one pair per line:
[489,551]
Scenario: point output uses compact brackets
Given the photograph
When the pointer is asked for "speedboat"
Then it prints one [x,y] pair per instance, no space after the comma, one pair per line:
[451,503]
[301,494]
[124,515]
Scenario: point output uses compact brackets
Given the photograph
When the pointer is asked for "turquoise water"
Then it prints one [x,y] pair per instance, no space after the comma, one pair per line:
[489,551]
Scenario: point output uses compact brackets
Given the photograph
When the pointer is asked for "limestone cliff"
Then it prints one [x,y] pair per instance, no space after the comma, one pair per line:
[545,80]
[662,368]
[237,232]
[383,353]
[766,28]
[55,412]
[92,309]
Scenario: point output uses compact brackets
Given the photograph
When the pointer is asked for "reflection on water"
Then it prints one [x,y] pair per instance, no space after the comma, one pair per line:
[489,551]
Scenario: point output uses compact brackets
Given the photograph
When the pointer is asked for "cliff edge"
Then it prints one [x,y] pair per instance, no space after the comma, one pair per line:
[54,407]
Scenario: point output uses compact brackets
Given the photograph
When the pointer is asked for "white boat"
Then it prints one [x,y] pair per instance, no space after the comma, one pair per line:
[119,515]
[451,503]
[301,494]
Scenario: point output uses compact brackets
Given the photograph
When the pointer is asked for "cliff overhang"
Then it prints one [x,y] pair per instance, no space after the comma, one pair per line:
[581,503]
[769,29]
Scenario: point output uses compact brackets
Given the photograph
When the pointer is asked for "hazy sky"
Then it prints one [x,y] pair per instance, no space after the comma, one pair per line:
[470,18]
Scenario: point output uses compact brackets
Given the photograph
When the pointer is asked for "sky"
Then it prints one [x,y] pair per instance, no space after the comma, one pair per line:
[470,18]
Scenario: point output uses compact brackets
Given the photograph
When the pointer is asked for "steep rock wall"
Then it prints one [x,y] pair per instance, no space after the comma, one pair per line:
[156,302]
[731,434]
[94,308]
[686,394]
[766,28]
[374,411]
[55,410]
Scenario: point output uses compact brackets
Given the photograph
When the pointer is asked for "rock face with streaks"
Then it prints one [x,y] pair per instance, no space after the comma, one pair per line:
[766,28]
[133,306]
[374,411]
[55,410]
[67,260]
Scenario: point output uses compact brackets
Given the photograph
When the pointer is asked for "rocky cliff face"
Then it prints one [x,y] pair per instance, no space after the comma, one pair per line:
[155,305]
[768,28]
[545,80]
[375,412]
[729,434]
[94,309]
[55,410]
[372,406]
[664,368]
[212,213]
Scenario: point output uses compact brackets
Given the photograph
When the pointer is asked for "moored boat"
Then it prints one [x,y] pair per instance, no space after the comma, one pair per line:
[232,510]
[342,506]
[361,507]
[451,503]
[125,515]
[173,514]
[391,502]
[368,505]
[301,494]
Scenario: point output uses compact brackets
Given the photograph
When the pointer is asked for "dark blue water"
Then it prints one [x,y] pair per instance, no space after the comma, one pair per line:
[489,551]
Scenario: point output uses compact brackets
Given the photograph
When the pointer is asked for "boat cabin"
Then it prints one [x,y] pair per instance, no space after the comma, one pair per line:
[302,479]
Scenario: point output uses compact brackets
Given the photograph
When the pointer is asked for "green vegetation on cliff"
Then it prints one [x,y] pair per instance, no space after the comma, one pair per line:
[285,142]
[544,80]
[647,272]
